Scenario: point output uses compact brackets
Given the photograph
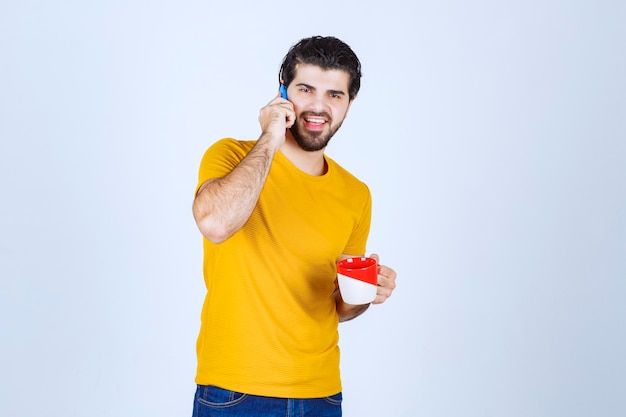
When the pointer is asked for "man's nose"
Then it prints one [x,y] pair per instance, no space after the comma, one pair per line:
[319,102]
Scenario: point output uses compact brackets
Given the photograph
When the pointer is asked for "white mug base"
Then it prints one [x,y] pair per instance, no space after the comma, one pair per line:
[354,291]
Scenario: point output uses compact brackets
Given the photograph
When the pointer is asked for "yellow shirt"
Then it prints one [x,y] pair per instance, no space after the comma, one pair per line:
[269,322]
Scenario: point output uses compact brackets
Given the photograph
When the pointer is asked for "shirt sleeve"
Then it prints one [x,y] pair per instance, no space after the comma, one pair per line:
[220,159]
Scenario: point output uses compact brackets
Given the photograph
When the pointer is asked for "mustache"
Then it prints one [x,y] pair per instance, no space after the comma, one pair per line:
[316,114]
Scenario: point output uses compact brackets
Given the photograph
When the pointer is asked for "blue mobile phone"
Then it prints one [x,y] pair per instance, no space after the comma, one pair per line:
[283,91]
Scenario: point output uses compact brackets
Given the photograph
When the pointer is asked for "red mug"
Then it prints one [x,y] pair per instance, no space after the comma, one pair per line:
[358,279]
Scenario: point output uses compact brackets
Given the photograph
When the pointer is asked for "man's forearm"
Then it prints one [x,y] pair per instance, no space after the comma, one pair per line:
[223,205]
[348,311]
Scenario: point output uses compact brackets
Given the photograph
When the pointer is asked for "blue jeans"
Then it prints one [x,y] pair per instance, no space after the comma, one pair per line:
[211,401]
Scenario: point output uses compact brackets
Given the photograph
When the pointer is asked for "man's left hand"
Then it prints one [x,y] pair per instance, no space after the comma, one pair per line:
[386,281]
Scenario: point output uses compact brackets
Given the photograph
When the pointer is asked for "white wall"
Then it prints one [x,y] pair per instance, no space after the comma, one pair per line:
[492,135]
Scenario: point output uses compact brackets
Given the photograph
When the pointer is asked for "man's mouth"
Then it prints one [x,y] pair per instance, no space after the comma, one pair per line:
[314,122]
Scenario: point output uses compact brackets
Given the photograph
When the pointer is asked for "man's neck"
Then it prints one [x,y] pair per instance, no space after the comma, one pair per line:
[312,163]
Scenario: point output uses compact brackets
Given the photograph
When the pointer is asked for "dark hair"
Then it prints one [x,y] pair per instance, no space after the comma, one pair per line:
[326,53]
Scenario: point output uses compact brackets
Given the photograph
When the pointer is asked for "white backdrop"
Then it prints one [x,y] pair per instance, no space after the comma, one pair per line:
[492,135]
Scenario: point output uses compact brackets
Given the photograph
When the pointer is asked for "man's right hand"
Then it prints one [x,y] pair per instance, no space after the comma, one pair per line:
[275,118]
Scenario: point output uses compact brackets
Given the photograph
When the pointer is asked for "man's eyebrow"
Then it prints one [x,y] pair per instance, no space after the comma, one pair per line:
[310,87]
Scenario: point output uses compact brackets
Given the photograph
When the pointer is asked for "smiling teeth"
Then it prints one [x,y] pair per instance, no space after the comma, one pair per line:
[318,121]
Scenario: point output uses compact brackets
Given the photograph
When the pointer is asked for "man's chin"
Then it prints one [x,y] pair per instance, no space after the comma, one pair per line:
[309,143]
[312,147]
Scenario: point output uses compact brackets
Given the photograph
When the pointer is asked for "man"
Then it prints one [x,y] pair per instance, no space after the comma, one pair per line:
[277,214]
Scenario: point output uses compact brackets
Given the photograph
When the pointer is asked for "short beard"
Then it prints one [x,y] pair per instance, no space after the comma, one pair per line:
[313,141]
